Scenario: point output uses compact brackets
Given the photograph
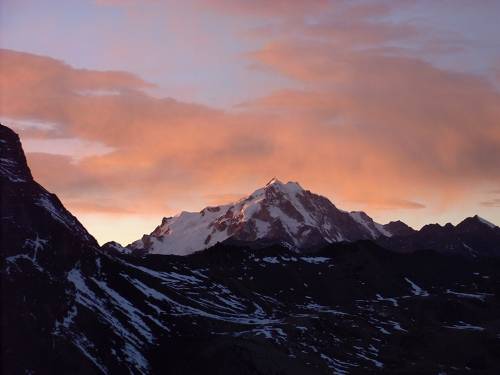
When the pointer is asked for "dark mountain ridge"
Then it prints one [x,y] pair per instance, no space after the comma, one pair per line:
[472,237]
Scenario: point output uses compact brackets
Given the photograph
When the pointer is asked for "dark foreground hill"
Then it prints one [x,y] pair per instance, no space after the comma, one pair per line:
[70,307]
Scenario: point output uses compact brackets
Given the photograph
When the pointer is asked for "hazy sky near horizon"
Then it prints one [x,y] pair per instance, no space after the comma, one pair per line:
[134,110]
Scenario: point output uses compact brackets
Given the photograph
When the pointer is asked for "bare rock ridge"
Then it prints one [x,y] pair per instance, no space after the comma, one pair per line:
[26,205]
[474,237]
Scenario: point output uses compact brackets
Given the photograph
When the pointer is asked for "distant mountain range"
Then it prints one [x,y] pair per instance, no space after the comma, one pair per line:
[304,221]
[289,284]
[474,237]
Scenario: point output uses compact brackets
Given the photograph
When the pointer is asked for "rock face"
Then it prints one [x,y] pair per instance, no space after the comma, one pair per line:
[278,211]
[473,237]
[70,307]
[40,242]
[31,216]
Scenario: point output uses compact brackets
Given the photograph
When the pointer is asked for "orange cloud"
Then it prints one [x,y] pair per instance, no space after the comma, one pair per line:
[440,124]
[495,202]
[368,126]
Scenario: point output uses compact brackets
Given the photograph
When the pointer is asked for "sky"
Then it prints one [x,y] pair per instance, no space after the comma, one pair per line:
[134,110]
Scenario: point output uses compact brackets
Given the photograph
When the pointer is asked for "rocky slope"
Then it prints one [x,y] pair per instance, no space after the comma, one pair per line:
[40,242]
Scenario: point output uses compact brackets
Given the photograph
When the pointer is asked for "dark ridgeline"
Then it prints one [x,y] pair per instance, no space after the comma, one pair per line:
[40,242]
[240,307]
[472,237]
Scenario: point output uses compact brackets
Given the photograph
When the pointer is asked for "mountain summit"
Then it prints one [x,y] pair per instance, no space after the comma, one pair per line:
[278,211]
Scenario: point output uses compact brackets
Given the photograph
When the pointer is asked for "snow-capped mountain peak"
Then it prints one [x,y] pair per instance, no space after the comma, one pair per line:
[275,186]
[277,211]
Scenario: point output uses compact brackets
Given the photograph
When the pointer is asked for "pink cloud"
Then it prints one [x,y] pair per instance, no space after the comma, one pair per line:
[371,125]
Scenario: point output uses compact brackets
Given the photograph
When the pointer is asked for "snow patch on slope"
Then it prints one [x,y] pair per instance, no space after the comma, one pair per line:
[375,229]
[416,290]
[9,168]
